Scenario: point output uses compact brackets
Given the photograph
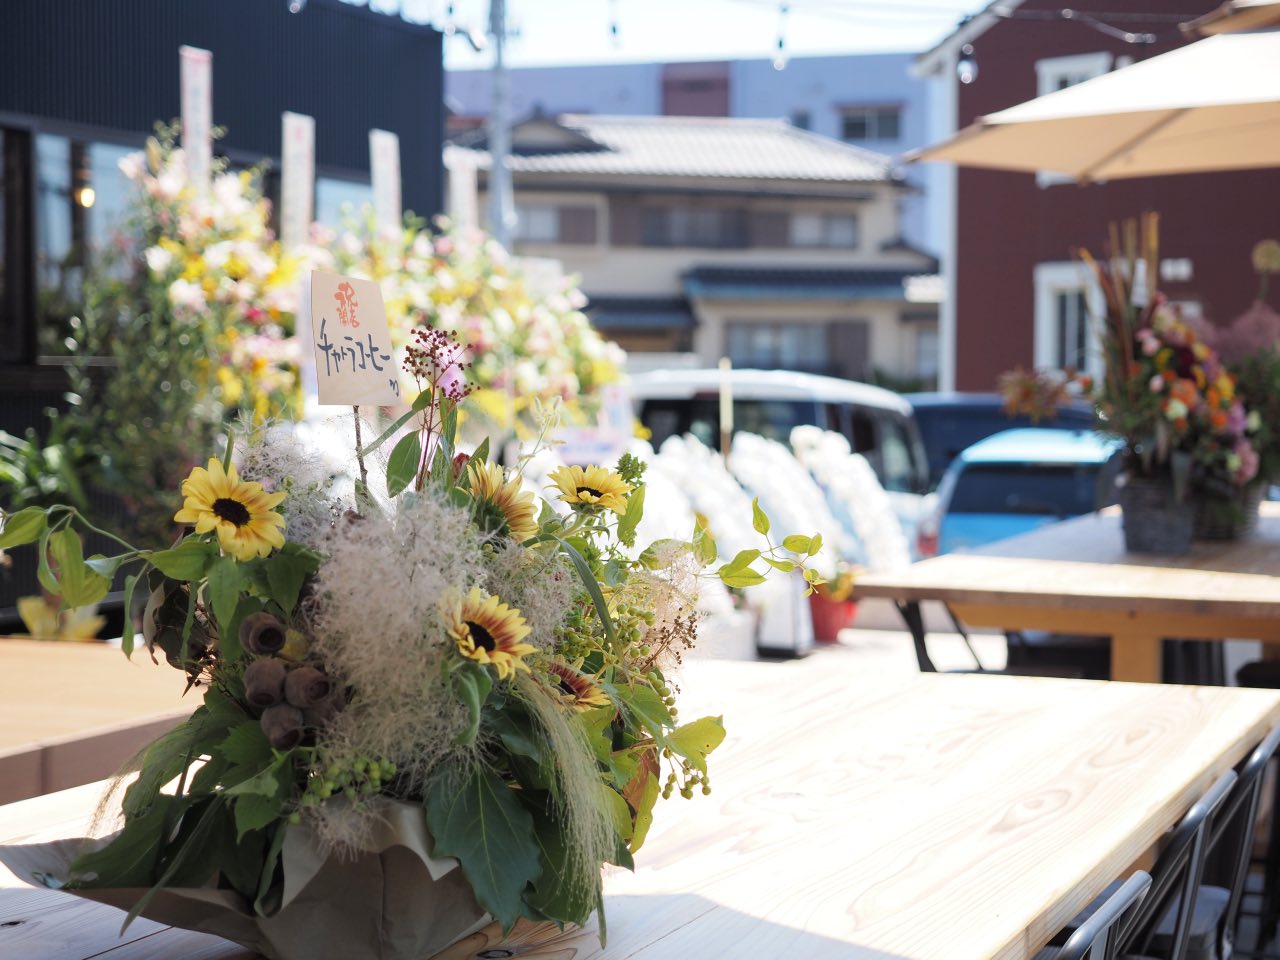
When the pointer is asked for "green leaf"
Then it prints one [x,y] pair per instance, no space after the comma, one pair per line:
[194,841]
[126,634]
[553,894]
[25,526]
[247,745]
[619,812]
[786,566]
[742,561]
[129,860]
[644,812]
[472,684]
[482,452]
[704,544]
[265,903]
[815,544]
[388,433]
[695,740]
[287,570]
[106,566]
[593,590]
[653,556]
[225,584]
[264,784]
[186,561]
[254,812]
[628,522]
[422,401]
[798,543]
[402,466]
[759,519]
[646,705]
[742,578]
[476,818]
[44,573]
[81,586]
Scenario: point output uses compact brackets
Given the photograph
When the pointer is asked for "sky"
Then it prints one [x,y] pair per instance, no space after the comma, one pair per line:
[558,32]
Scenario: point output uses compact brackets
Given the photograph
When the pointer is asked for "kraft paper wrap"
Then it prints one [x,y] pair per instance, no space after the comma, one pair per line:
[393,901]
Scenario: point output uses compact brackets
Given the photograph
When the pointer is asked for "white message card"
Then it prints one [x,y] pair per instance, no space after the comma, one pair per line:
[355,364]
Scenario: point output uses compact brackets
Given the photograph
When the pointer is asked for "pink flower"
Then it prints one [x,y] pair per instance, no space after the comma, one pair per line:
[1157,383]
[1248,462]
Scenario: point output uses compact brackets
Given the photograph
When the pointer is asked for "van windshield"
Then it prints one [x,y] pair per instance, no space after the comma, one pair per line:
[700,416]
[1057,490]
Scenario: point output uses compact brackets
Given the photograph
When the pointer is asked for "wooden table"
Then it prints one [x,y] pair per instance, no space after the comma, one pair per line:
[1075,577]
[853,817]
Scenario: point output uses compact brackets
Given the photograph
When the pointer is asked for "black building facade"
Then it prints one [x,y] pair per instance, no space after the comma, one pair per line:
[83,82]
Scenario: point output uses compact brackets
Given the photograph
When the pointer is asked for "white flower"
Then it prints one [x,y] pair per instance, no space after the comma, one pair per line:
[1253,422]
[133,165]
[1175,410]
[158,259]
[184,293]
[217,254]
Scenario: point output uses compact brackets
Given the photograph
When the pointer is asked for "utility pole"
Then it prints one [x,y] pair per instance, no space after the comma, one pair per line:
[502,214]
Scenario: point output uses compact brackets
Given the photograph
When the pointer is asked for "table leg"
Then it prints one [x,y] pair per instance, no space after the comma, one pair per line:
[1136,657]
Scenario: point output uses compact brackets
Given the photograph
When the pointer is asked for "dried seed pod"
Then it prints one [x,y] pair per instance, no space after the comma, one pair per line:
[264,682]
[324,711]
[306,687]
[283,726]
[262,634]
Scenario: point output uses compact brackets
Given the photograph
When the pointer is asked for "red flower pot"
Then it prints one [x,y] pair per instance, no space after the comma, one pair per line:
[830,616]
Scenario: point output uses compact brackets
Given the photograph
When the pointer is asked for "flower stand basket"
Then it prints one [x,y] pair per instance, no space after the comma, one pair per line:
[830,616]
[1155,520]
[1228,519]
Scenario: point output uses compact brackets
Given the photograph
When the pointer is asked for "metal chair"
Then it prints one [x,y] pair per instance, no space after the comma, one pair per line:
[1168,910]
[1096,938]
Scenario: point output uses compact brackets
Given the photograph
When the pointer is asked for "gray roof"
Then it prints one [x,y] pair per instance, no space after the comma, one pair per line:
[721,147]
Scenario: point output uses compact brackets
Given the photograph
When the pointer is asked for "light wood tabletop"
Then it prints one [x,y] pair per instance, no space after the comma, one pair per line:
[1075,577]
[854,817]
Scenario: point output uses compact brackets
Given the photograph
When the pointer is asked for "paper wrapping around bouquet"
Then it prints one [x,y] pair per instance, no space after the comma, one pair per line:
[390,901]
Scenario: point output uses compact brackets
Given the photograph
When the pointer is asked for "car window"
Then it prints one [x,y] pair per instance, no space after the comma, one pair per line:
[946,430]
[1057,490]
[898,467]
[700,416]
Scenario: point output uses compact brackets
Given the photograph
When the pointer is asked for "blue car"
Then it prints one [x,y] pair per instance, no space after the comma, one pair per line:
[1017,480]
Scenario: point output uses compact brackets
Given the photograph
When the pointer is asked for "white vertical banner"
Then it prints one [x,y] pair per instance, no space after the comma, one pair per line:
[197,111]
[384,160]
[463,202]
[297,177]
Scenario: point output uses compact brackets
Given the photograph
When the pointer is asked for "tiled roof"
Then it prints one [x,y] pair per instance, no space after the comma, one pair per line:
[796,283]
[723,147]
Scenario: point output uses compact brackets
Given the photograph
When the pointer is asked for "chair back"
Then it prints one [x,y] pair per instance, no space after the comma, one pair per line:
[1096,939]
[1231,838]
[1176,876]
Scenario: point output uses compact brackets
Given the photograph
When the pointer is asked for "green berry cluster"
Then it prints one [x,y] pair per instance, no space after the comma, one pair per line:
[362,777]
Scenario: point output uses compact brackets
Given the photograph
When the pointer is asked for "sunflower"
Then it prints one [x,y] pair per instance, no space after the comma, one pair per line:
[240,512]
[516,506]
[488,631]
[594,486]
[575,689]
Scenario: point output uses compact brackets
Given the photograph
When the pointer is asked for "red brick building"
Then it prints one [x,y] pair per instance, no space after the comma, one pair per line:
[1015,294]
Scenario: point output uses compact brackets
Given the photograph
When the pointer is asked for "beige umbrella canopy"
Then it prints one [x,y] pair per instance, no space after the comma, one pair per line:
[1211,105]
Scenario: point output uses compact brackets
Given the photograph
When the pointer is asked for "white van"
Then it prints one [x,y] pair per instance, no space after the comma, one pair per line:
[878,423]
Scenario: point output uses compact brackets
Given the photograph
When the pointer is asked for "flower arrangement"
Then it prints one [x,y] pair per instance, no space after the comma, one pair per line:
[428,660]
[522,329]
[1165,391]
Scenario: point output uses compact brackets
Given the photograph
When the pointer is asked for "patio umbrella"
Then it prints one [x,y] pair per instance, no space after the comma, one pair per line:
[1211,105]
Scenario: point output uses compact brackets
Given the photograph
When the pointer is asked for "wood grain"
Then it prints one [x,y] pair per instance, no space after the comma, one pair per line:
[866,817]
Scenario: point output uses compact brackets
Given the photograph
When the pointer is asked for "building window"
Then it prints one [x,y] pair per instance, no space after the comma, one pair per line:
[927,353]
[552,223]
[1065,303]
[1058,73]
[337,200]
[838,230]
[694,227]
[778,346]
[537,223]
[81,201]
[870,123]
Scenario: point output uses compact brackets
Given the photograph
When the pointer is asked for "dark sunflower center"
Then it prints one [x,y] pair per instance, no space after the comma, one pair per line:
[566,686]
[233,511]
[591,490]
[481,637]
